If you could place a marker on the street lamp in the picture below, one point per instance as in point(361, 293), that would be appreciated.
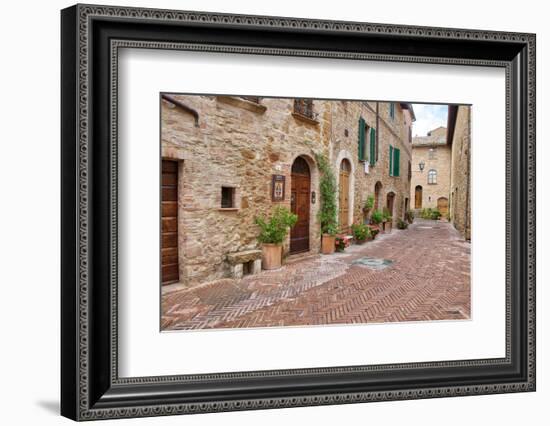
point(421, 165)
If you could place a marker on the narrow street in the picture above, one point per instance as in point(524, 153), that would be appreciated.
point(418, 274)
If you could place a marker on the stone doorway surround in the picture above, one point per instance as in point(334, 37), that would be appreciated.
point(314, 227)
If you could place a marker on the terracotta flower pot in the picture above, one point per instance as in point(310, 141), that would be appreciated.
point(328, 244)
point(271, 256)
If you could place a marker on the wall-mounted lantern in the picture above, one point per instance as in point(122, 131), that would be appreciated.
point(313, 197)
point(421, 165)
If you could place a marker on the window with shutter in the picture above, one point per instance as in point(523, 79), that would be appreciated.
point(391, 160)
point(373, 156)
point(361, 141)
point(392, 110)
point(396, 161)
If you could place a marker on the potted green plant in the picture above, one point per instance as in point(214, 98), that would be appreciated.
point(328, 214)
point(272, 234)
point(436, 214)
point(401, 224)
point(376, 219)
point(361, 232)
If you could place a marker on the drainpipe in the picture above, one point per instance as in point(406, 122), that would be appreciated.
point(377, 131)
point(184, 107)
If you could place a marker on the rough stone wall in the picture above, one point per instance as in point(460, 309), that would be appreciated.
point(241, 147)
point(390, 132)
point(242, 144)
point(460, 173)
point(439, 160)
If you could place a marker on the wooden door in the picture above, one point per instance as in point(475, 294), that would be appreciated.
point(343, 203)
point(443, 206)
point(169, 223)
point(299, 205)
point(418, 197)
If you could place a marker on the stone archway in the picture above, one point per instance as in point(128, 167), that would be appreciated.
point(390, 202)
point(314, 227)
point(300, 205)
point(344, 159)
point(344, 194)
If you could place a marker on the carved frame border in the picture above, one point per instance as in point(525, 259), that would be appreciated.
point(85, 13)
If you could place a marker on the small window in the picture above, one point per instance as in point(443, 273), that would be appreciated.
point(392, 110)
point(431, 153)
point(228, 197)
point(304, 107)
point(432, 177)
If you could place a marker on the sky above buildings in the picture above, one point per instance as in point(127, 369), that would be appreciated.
point(428, 117)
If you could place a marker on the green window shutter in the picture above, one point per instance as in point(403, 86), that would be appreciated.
point(361, 142)
point(391, 160)
point(372, 146)
point(392, 110)
point(396, 153)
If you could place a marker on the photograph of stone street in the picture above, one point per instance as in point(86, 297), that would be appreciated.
point(281, 212)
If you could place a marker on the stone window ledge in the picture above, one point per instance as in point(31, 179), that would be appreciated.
point(242, 103)
point(305, 118)
point(228, 209)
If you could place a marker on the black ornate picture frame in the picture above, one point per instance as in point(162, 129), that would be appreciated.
point(91, 387)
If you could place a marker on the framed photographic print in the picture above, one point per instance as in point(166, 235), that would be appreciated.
point(263, 212)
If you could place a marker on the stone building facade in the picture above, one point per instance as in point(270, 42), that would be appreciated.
point(441, 169)
point(459, 135)
point(431, 174)
point(222, 154)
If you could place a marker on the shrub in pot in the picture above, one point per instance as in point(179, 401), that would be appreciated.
point(436, 214)
point(401, 224)
point(376, 218)
point(361, 232)
point(328, 212)
point(272, 234)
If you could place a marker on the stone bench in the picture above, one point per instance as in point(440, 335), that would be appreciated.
point(244, 262)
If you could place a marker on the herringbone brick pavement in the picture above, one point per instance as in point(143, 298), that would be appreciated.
point(428, 279)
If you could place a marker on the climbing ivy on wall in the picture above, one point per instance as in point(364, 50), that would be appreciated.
point(328, 213)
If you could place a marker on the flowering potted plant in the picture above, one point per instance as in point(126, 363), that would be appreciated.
point(361, 232)
point(272, 233)
point(341, 242)
point(374, 231)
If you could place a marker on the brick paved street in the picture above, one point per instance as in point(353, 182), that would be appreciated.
point(428, 279)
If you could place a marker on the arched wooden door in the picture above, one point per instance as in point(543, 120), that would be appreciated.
point(443, 206)
point(299, 205)
point(345, 169)
point(390, 198)
point(418, 197)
